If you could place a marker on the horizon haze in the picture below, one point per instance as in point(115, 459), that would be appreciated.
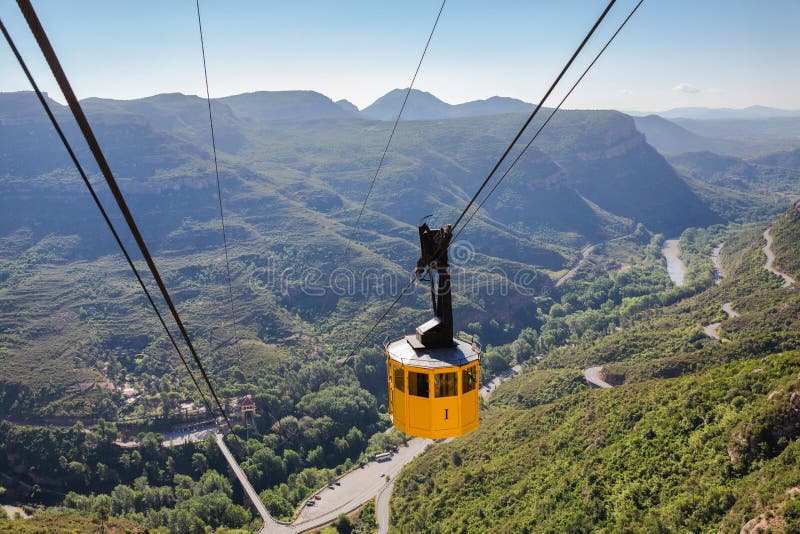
point(709, 54)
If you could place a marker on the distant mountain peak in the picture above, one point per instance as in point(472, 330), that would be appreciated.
point(19, 104)
point(347, 105)
point(423, 105)
point(282, 105)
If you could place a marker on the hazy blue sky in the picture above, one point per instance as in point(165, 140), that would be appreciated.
point(673, 53)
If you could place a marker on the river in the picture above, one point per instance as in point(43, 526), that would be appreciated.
point(675, 267)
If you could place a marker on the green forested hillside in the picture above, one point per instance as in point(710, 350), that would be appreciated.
point(68, 523)
point(668, 340)
point(652, 457)
point(740, 189)
point(698, 435)
point(562, 269)
point(787, 241)
point(292, 189)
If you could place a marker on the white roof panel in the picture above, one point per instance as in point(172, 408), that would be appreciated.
point(408, 351)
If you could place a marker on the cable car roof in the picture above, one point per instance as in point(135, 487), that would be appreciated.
point(408, 351)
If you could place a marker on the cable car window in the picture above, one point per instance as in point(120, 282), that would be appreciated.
point(468, 379)
point(399, 379)
point(418, 384)
point(445, 385)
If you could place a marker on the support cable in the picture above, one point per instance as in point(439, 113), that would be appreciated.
point(380, 319)
point(510, 146)
point(219, 188)
point(347, 358)
point(99, 205)
point(391, 135)
point(58, 72)
point(536, 110)
point(549, 117)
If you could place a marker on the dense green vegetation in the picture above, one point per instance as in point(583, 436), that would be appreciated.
point(714, 448)
point(178, 488)
point(540, 387)
point(78, 342)
point(671, 342)
point(787, 248)
point(58, 522)
point(656, 456)
point(600, 307)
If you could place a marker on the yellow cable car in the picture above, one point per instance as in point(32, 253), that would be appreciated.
point(432, 377)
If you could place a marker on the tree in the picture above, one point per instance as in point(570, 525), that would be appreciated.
point(123, 500)
point(102, 515)
point(199, 463)
point(343, 525)
point(276, 504)
point(237, 516)
point(496, 361)
point(212, 481)
point(171, 465)
point(366, 523)
point(316, 456)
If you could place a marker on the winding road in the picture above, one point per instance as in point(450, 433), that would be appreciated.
point(728, 308)
point(487, 390)
point(712, 330)
point(577, 263)
point(594, 376)
point(770, 263)
point(588, 250)
point(382, 507)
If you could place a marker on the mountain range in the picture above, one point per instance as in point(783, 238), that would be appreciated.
point(561, 269)
point(750, 112)
point(295, 167)
point(599, 172)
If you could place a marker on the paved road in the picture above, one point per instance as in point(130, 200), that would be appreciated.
point(175, 438)
point(382, 507)
point(576, 264)
point(712, 330)
point(270, 525)
point(594, 375)
point(13, 510)
point(487, 390)
point(357, 487)
point(354, 489)
point(588, 250)
point(728, 308)
point(770, 263)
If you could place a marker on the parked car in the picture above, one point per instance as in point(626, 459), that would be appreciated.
point(309, 503)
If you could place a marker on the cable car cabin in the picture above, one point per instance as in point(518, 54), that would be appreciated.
point(432, 377)
point(433, 393)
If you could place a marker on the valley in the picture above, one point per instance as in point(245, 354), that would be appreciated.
point(687, 436)
point(566, 278)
